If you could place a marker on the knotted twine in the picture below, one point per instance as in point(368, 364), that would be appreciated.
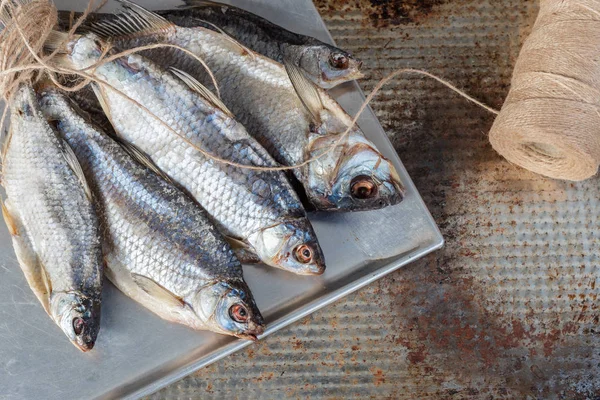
point(550, 121)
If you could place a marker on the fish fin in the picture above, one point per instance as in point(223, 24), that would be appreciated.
point(141, 157)
point(157, 291)
point(11, 223)
point(236, 243)
point(201, 4)
point(244, 50)
point(242, 251)
point(202, 90)
point(247, 256)
point(30, 264)
point(6, 144)
point(76, 167)
point(56, 41)
point(134, 20)
point(101, 96)
point(306, 91)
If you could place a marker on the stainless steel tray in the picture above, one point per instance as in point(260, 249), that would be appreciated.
point(137, 353)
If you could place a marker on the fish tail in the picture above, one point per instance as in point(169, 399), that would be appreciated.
point(56, 44)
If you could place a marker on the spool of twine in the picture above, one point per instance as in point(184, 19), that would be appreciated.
point(550, 121)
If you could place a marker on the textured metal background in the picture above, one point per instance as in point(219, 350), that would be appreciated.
point(509, 308)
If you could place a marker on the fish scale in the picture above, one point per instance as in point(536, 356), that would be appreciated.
point(266, 215)
point(55, 227)
point(151, 229)
point(289, 116)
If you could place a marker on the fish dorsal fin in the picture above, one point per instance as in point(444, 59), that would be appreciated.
point(157, 291)
point(76, 167)
point(133, 20)
point(141, 157)
point(202, 90)
point(244, 50)
point(306, 91)
point(201, 4)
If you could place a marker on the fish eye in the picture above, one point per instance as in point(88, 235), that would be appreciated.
point(303, 254)
point(339, 61)
point(238, 313)
point(78, 325)
point(362, 187)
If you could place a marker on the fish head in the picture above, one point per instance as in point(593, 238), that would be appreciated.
point(353, 176)
point(228, 307)
point(291, 246)
point(328, 66)
point(78, 316)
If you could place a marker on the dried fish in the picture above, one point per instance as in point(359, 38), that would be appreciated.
point(177, 122)
point(327, 66)
point(52, 222)
point(294, 120)
point(159, 245)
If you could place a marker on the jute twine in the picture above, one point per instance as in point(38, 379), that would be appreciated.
point(550, 121)
point(548, 124)
point(22, 22)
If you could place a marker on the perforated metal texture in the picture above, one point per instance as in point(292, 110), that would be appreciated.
point(509, 308)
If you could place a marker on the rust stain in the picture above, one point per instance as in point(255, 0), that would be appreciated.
point(384, 13)
point(453, 322)
point(298, 345)
point(416, 356)
point(378, 376)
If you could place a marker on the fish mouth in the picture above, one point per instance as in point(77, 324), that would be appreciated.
point(84, 346)
point(315, 269)
point(247, 336)
point(252, 334)
point(357, 72)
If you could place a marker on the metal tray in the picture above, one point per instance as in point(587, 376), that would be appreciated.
point(137, 353)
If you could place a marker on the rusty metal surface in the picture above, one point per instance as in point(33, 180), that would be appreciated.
point(509, 308)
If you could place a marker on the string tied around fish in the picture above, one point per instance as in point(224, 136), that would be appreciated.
point(549, 124)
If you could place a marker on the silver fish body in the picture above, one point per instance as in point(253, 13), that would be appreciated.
point(256, 208)
point(53, 224)
point(289, 123)
point(159, 245)
point(327, 66)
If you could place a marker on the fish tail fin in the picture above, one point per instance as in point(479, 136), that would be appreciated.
point(56, 43)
